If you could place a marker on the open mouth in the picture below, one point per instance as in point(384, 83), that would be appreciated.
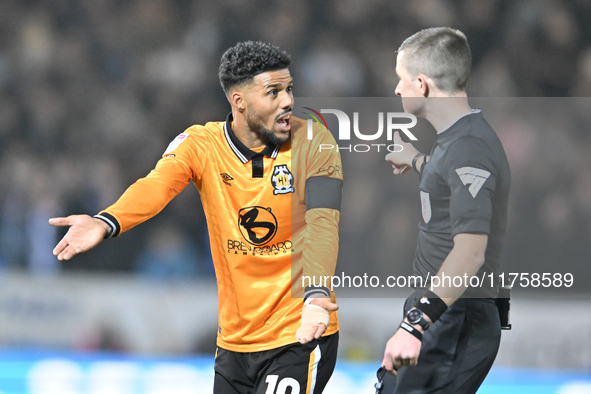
point(284, 122)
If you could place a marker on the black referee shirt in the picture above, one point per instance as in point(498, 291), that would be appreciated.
point(464, 188)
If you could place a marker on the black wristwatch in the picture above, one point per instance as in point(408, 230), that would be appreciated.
point(414, 162)
point(415, 316)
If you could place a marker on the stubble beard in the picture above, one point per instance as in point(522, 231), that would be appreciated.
point(265, 134)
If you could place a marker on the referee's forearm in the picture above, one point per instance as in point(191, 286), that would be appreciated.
point(464, 261)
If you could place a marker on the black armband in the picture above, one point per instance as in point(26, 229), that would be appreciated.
point(323, 192)
point(411, 330)
point(431, 305)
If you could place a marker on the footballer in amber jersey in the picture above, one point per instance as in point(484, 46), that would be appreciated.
point(262, 236)
point(271, 199)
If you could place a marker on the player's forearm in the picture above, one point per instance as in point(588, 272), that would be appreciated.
point(146, 197)
point(464, 261)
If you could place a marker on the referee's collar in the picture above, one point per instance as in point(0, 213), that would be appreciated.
point(458, 123)
point(241, 151)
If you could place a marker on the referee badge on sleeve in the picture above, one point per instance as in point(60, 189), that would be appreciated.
point(474, 177)
point(425, 206)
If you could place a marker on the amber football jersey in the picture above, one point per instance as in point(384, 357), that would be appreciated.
point(266, 230)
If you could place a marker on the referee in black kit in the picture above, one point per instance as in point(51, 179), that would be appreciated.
point(451, 332)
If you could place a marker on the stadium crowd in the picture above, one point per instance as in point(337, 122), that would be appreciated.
point(91, 92)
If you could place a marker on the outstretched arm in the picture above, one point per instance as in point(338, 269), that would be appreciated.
point(84, 234)
point(141, 201)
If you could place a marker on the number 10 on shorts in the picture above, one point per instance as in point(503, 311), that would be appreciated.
point(282, 386)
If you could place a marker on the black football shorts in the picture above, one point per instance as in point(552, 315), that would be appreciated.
point(458, 350)
point(294, 368)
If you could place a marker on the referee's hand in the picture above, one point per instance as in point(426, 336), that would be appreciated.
point(85, 233)
point(401, 350)
point(401, 161)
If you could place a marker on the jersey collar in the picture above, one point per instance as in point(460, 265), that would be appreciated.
point(241, 151)
point(458, 124)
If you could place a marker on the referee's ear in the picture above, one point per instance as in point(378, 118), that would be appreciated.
point(424, 84)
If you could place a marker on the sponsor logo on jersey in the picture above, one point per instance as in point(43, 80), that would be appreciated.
point(426, 206)
point(226, 178)
point(282, 180)
point(241, 248)
point(176, 142)
point(474, 177)
point(257, 224)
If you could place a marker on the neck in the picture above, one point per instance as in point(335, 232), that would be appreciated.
point(244, 133)
point(445, 110)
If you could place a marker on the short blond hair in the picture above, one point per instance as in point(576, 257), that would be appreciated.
point(441, 53)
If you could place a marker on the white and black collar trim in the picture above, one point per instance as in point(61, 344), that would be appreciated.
point(242, 152)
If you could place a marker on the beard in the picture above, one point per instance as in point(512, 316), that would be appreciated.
point(265, 134)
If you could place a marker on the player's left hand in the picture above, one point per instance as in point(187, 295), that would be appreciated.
point(401, 350)
point(315, 319)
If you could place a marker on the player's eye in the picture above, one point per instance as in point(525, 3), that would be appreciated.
point(272, 92)
point(290, 89)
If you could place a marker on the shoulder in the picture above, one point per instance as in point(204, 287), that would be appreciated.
point(195, 137)
point(207, 130)
point(200, 134)
point(477, 140)
point(466, 143)
point(469, 150)
point(304, 132)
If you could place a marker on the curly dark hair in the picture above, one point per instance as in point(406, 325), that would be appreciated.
point(245, 60)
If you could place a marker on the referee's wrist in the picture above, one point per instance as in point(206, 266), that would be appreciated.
point(418, 161)
point(411, 330)
point(415, 326)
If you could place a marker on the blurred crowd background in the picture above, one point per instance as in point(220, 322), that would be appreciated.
point(91, 93)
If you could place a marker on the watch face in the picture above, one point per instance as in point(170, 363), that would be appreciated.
point(414, 316)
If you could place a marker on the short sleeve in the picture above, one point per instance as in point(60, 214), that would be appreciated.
point(471, 175)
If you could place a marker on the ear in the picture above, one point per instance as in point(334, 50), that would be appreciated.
point(236, 98)
point(424, 86)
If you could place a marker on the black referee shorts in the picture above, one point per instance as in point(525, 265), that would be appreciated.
point(457, 351)
point(295, 369)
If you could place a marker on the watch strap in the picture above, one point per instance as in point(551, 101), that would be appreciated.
point(411, 330)
point(414, 162)
point(422, 321)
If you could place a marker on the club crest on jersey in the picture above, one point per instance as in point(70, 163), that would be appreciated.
point(282, 180)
